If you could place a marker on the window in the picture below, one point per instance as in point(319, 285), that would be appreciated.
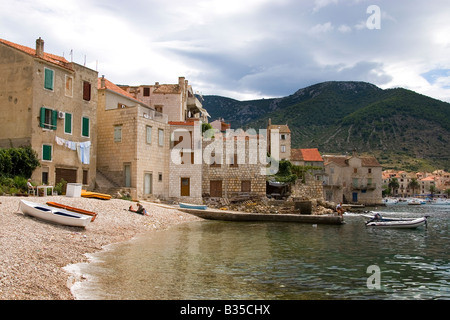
point(48, 118)
point(160, 177)
point(159, 109)
point(283, 148)
point(68, 123)
point(233, 161)
point(85, 176)
point(69, 86)
point(118, 133)
point(86, 91)
point(246, 186)
point(146, 92)
point(148, 134)
point(48, 79)
point(283, 137)
point(85, 127)
point(47, 152)
point(355, 170)
point(215, 160)
point(369, 170)
point(161, 137)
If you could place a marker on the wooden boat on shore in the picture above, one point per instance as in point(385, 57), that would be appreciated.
point(55, 215)
point(66, 207)
point(213, 214)
point(193, 206)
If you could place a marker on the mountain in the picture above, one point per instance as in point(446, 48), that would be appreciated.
point(403, 129)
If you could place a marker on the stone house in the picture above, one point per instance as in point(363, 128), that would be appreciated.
point(50, 104)
point(133, 143)
point(177, 101)
point(231, 167)
point(185, 170)
point(284, 141)
point(353, 179)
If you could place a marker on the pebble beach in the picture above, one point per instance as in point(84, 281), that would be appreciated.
point(33, 252)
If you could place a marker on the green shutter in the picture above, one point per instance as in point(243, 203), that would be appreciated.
point(85, 127)
point(54, 119)
point(42, 118)
point(47, 152)
point(48, 79)
point(68, 123)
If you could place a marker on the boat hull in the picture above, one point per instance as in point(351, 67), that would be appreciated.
point(398, 224)
point(193, 206)
point(254, 217)
point(54, 215)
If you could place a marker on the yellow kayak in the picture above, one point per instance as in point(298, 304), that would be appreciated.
point(89, 194)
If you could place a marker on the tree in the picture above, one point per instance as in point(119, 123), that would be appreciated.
point(447, 191)
point(432, 190)
point(413, 184)
point(394, 185)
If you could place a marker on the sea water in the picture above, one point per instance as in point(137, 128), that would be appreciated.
point(249, 260)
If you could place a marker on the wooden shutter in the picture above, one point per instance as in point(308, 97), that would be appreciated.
point(68, 123)
point(48, 79)
point(47, 152)
point(42, 118)
point(85, 127)
point(54, 119)
point(86, 91)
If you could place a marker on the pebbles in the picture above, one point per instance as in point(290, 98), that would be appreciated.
point(33, 252)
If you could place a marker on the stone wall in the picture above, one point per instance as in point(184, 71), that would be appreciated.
point(311, 189)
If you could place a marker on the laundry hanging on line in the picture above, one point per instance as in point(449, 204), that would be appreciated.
point(83, 148)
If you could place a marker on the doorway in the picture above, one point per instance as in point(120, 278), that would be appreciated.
point(148, 178)
point(185, 187)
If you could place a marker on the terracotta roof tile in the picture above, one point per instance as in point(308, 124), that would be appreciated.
point(283, 128)
point(111, 86)
point(52, 58)
point(310, 155)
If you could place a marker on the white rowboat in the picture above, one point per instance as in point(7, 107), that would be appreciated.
point(55, 215)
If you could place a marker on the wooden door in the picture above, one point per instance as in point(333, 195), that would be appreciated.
point(185, 187)
point(215, 188)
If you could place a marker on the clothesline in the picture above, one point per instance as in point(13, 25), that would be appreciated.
point(82, 148)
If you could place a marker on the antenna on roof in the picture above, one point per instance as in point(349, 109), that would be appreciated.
point(71, 55)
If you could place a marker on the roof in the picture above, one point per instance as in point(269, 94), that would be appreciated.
point(369, 161)
point(54, 59)
point(366, 161)
point(111, 86)
point(282, 128)
point(181, 123)
point(310, 155)
point(167, 88)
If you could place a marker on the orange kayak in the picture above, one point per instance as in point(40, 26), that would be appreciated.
point(63, 206)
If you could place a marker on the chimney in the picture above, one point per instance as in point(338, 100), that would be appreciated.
point(270, 121)
point(102, 82)
point(40, 47)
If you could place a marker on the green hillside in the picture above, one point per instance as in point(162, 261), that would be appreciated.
point(402, 128)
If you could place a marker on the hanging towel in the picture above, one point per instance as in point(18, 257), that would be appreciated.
point(85, 148)
point(60, 141)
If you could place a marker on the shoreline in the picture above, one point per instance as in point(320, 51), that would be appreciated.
point(35, 253)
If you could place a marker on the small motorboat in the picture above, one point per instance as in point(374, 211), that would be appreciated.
point(193, 206)
point(402, 223)
point(55, 215)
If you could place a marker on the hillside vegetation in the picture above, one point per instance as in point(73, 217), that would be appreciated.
point(403, 129)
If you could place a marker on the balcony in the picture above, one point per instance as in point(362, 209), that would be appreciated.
point(369, 186)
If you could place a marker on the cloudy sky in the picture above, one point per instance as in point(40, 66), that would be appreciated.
point(245, 49)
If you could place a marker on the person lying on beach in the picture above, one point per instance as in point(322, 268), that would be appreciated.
point(140, 209)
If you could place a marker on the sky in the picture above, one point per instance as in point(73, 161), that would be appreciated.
point(245, 49)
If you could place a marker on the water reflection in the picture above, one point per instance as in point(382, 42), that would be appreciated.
point(228, 260)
